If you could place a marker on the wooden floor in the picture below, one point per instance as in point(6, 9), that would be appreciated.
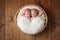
point(9, 29)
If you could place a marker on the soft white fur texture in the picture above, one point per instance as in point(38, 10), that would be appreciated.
point(30, 27)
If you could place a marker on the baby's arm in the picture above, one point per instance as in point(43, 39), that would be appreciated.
point(40, 14)
point(23, 14)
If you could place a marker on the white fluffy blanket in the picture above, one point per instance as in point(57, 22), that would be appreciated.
point(30, 27)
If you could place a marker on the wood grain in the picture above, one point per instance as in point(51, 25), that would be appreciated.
point(9, 29)
point(2, 25)
point(56, 10)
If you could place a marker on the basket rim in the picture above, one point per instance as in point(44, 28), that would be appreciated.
point(32, 5)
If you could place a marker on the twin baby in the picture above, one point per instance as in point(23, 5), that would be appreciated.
point(31, 13)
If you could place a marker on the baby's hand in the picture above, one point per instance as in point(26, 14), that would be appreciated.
point(40, 14)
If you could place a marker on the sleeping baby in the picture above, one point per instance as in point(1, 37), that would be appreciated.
point(37, 22)
point(27, 13)
point(24, 19)
point(35, 13)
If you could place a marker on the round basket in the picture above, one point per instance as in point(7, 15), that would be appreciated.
point(31, 6)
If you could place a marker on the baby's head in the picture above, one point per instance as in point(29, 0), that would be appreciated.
point(27, 12)
point(34, 12)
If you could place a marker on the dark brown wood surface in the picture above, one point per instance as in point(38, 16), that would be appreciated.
point(2, 19)
point(9, 29)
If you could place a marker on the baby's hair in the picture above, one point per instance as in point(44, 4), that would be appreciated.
point(25, 10)
point(36, 10)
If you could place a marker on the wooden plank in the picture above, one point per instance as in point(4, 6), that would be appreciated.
point(2, 27)
point(8, 28)
point(56, 11)
point(11, 30)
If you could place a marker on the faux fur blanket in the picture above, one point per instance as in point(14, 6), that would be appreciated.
point(31, 27)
